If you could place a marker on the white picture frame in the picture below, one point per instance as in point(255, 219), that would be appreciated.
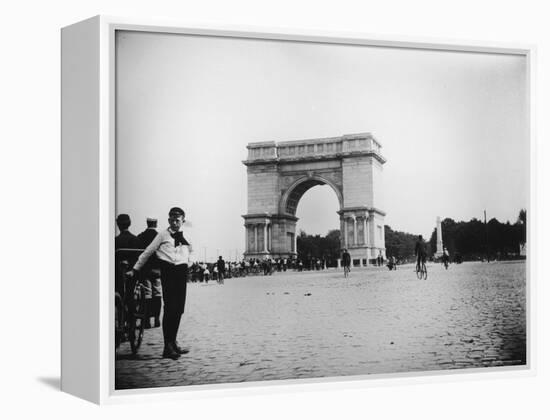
point(88, 193)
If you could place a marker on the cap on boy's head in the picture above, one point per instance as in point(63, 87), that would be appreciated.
point(151, 222)
point(176, 212)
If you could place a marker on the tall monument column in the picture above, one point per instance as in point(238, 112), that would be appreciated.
point(439, 243)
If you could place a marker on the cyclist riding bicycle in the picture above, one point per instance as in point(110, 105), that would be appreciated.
point(420, 252)
point(445, 257)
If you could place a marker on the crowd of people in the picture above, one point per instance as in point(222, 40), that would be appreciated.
point(218, 271)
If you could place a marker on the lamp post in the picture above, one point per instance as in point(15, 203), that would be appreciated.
point(486, 234)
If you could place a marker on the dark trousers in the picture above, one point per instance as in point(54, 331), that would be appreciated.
point(156, 304)
point(174, 291)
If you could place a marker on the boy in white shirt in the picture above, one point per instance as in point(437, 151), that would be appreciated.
point(174, 252)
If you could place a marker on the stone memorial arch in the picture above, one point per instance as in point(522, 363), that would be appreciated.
point(280, 173)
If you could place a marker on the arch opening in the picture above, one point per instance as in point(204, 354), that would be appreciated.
point(317, 211)
point(291, 199)
point(317, 228)
point(297, 193)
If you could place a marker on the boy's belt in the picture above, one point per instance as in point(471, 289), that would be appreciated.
point(163, 262)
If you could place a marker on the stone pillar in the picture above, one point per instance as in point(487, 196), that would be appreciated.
point(365, 233)
point(355, 241)
point(255, 238)
point(366, 236)
point(339, 262)
point(346, 243)
point(265, 237)
point(372, 233)
point(360, 231)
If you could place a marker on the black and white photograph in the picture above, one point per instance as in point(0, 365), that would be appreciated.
point(297, 210)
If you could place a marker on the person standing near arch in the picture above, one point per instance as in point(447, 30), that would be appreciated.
point(346, 262)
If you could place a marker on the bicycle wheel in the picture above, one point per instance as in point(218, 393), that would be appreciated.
point(424, 271)
point(136, 320)
point(419, 272)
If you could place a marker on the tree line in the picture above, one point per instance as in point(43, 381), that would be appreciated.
point(316, 246)
point(475, 240)
point(472, 240)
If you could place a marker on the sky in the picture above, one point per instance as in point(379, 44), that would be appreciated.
point(452, 125)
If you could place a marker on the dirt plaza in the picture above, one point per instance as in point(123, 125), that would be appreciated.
point(319, 324)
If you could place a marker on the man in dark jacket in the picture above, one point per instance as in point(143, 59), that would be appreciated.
point(147, 236)
point(221, 269)
point(420, 252)
point(125, 238)
point(124, 241)
point(346, 260)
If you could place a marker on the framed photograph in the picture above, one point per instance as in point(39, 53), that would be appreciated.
point(244, 208)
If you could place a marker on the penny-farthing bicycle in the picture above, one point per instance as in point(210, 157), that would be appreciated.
point(421, 271)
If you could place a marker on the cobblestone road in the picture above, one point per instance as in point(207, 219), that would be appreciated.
point(319, 324)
